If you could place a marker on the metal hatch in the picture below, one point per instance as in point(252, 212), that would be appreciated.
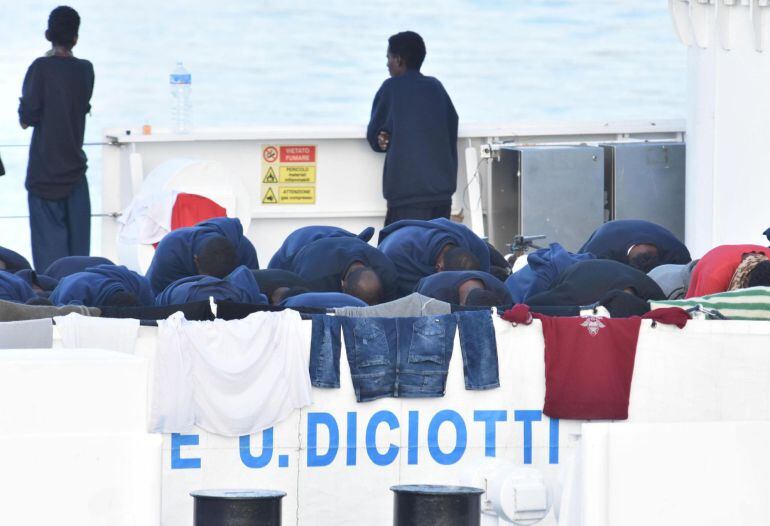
point(553, 190)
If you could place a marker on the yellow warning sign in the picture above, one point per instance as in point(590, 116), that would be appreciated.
point(270, 176)
point(289, 174)
point(304, 195)
point(269, 198)
point(297, 174)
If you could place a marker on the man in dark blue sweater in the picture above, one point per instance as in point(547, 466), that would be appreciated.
point(55, 100)
point(414, 122)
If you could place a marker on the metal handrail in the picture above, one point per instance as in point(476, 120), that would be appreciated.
point(113, 215)
point(101, 143)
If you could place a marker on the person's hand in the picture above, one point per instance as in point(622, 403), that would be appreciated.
point(383, 140)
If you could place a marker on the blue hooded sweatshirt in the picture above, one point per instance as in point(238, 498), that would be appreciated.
point(323, 264)
point(544, 266)
point(445, 286)
point(47, 283)
point(421, 159)
point(238, 286)
point(13, 260)
point(323, 300)
point(13, 288)
point(302, 237)
point(173, 258)
point(414, 245)
point(94, 286)
point(69, 265)
point(614, 239)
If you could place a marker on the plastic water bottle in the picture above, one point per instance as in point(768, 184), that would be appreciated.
point(180, 82)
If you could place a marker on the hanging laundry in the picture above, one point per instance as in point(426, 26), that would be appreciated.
point(29, 334)
point(589, 361)
point(84, 332)
point(743, 304)
point(10, 311)
point(478, 345)
point(226, 376)
point(198, 311)
point(325, 350)
point(399, 357)
point(412, 306)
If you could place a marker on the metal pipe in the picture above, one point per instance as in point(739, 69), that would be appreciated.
point(424, 505)
point(237, 507)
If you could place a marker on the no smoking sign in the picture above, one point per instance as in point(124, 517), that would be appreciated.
point(270, 154)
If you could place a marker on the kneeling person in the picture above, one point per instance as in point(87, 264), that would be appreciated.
point(638, 243)
point(347, 265)
point(421, 248)
point(239, 286)
point(104, 285)
point(465, 288)
point(214, 248)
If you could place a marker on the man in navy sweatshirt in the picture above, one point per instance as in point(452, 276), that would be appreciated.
point(414, 122)
point(55, 99)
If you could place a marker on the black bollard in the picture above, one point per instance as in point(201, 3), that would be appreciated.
point(235, 507)
point(436, 506)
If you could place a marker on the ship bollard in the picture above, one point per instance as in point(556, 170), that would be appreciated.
point(422, 505)
point(237, 507)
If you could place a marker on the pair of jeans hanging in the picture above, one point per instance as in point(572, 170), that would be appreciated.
point(404, 356)
point(400, 357)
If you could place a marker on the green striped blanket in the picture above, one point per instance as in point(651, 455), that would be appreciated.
point(744, 304)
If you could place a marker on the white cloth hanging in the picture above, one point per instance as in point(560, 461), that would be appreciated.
point(26, 334)
point(233, 377)
point(82, 332)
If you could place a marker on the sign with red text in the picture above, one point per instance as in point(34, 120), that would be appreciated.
point(289, 174)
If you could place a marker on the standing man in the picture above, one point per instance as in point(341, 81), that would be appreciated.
point(55, 100)
point(414, 122)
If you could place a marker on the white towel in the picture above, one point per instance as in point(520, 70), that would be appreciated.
point(29, 334)
point(230, 377)
point(113, 334)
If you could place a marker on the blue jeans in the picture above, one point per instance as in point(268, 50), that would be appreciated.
point(401, 357)
point(378, 347)
point(479, 347)
point(325, 351)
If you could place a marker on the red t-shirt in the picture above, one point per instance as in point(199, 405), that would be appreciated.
point(715, 269)
point(589, 364)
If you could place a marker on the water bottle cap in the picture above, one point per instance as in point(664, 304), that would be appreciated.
point(180, 75)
